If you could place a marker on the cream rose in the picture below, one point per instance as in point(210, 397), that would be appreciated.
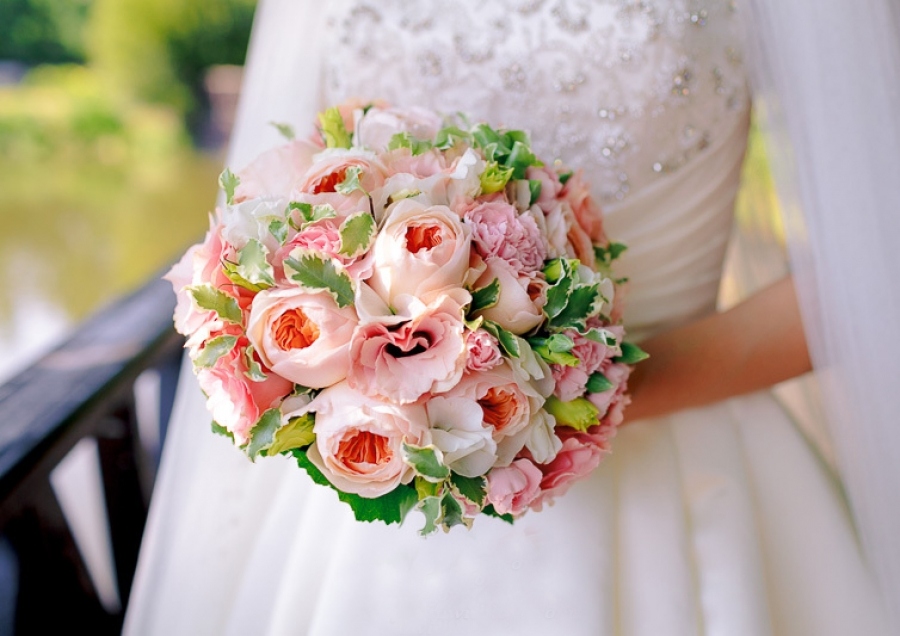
point(522, 298)
point(302, 336)
point(458, 430)
point(420, 251)
point(359, 440)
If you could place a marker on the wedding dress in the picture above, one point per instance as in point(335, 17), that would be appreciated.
point(719, 520)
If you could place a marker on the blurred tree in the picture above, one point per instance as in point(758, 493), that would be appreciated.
point(158, 50)
point(43, 31)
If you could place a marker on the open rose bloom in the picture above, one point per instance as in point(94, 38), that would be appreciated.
point(418, 311)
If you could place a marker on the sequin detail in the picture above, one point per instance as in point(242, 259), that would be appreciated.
point(630, 90)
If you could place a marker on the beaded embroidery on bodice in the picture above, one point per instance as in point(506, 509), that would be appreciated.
point(627, 90)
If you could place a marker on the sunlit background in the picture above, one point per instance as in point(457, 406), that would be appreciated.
point(113, 120)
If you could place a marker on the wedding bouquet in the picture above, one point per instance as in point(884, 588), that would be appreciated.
point(419, 310)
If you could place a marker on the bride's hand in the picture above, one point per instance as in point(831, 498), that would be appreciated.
point(754, 345)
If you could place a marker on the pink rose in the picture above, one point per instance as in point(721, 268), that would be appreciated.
point(498, 231)
point(359, 440)
point(522, 298)
point(202, 263)
point(420, 251)
point(235, 401)
point(376, 128)
point(579, 456)
point(511, 489)
point(404, 357)
point(302, 336)
point(587, 213)
point(550, 186)
point(482, 351)
point(421, 166)
point(276, 172)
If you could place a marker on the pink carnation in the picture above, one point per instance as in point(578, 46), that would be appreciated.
point(592, 357)
point(612, 402)
point(498, 231)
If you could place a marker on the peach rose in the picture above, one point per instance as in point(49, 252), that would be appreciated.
point(330, 170)
point(507, 403)
point(420, 251)
point(359, 440)
point(579, 456)
point(511, 489)
point(302, 336)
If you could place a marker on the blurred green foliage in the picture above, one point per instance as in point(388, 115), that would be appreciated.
point(43, 31)
point(158, 50)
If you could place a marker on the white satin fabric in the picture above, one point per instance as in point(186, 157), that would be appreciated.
point(718, 521)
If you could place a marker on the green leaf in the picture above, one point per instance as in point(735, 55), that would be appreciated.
point(598, 383)
point(581, 306)
point(215, 349)
point(211, 299)
point(602, 336)
point(229, 182)
point(560, 343)
point(565, 176)
point(286, 130)
point(605, 255)
point(254, 369)
point(631, 354)
point(218, 429)
point(494, 178)
point(579, 413)
point(451, 512)
point(399, 195)
point(534, 187)
point(253, 266)
point(509, 342)
point(490, 512)
point(333, 130)
point(556, 357)
point(521, 158)
point(472, 488)
point(449, 136)
point(357, 232)
point(427, 461)
point(315, 273)
point(558, 296)
point(297, 433)
point(425, 488)
point(431, 508)
point(389, 508)
point(405, 140)
point(263, 432)
point(485, 297)
point(310, 213)
point(279, 229)
point(484, 136)
point(350, 184)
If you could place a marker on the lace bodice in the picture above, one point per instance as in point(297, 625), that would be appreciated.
point(627, 90)
point(648, 98)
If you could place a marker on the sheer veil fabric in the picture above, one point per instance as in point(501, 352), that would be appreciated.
point(235, 548)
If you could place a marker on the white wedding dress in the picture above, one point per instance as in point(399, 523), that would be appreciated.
point(720, 520)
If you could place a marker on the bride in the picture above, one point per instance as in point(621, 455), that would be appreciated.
point(713, 515)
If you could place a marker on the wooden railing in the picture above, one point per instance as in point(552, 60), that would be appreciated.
point(82, 389)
